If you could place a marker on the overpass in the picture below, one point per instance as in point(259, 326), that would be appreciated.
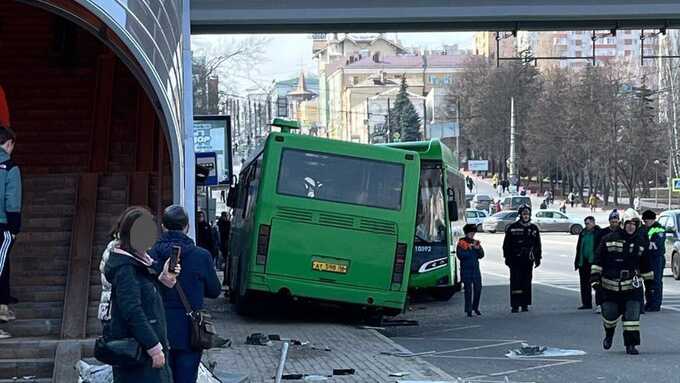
point(257, 16)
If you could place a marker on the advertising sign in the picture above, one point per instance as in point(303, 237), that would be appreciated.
point(208, 160)
point(478, 165)
point(443, 129)
point(212, 134)
point(676, 184)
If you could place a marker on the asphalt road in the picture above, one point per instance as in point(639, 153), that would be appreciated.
point(474, 348)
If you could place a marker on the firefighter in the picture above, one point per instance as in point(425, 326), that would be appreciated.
point(620, 268)
point(522, 252)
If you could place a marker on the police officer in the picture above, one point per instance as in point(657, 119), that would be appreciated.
point(522, 252)
point(656, 234)
point(621, 266)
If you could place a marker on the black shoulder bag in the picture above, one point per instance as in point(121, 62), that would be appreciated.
point(203, 335)
point(126, 352)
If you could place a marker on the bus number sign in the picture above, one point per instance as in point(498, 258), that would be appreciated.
point(331, 267)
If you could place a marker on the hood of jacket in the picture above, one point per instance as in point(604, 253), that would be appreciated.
point(118, 260)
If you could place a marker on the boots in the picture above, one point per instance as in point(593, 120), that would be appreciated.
point(607, 342)
point(631, 350)
point(6, 314)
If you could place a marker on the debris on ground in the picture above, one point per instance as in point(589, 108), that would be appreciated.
point(315, 378)
point(258, 339)
point(399, 374)
point(343, 371)
point(406, 354)
point(370, 328)
point(103, 373)
point(399, 322)
point(531, 351)
point(317, 348)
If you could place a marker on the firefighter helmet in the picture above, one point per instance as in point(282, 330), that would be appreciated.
point(630, 215)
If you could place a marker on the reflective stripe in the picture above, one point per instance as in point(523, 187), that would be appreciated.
point(615, 244)
point(631, 323)
point(647, 276)
point(609, 323)
point(632, 328)
point(595, 269)
point(516, 291)
point(613, 285)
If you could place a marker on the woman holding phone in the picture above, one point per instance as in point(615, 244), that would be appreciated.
point(136, 307)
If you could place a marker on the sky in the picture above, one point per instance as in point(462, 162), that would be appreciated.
point(287, 54)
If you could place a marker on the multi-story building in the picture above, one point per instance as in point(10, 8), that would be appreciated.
point(351, 88)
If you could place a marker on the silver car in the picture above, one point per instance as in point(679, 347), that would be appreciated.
point(499, 221)
point(553, 220)
point(481, 202)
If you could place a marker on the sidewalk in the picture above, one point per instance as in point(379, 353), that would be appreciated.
point(350, 346)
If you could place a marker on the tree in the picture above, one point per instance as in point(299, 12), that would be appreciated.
point(224, 61)
point(404, 119)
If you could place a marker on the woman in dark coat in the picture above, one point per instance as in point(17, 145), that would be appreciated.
point(136, 305)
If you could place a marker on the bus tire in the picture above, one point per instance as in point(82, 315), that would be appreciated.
point(443, 294)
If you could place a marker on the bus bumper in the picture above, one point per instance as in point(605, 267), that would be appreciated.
point(318, 290)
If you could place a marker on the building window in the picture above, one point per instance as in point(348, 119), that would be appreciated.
point(578, 43)
point(627, 53)
point(578, 53)
point(355, 80)
point(628, 41)
point(433, 80)
point(627, 32)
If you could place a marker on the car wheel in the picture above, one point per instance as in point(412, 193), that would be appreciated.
point(575, 229)
point(675, 266)
point(480, 228)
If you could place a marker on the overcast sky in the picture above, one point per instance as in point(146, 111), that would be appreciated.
point(288, 53)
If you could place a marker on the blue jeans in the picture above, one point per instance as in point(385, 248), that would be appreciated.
point(184, 365)
point(473, 292)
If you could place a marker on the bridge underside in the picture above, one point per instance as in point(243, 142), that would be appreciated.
point(220, 16)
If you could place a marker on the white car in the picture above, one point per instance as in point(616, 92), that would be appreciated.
point(476, 217)
point(555, 220)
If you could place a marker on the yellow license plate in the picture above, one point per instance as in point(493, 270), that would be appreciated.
point(331, 267)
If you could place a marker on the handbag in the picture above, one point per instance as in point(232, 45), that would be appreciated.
point(126, 352)
point(203, 335)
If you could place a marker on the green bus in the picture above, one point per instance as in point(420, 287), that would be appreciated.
point(327, 220)
point(441, 204)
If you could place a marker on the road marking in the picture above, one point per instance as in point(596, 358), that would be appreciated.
point(460, 339)
point(479, 347)
point(499, 358)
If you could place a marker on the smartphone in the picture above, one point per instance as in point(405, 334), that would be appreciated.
point(174, 258)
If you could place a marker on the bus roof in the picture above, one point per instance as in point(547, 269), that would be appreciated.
point(433, 149)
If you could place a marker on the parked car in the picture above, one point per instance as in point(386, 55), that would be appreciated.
point(670, 219)
point(481, 202)
point(499, 221)
point(514, 202)
point(476, 217)
point(553, 220)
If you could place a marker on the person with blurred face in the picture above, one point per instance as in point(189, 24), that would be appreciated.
point(522, 253)
point(585, 254)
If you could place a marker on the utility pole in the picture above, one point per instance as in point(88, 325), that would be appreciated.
point(670, 177)
point(458, 127)
point(514, 156)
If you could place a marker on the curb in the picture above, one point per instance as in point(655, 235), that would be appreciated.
point(434, 368)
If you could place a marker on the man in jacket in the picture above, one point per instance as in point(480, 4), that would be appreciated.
point(10, 219)
point(656, 234)
point(522, 252)
point(585, 255)
point(621, 266)
point(204, 235)
point(224, 226)
point(198, 279)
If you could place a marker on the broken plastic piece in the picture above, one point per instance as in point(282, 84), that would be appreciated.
point(292, 376)
point(258, 339)
point(315, 378)
point(343, 371)
point(531, 351)
point(274, 337)
point(399, 374)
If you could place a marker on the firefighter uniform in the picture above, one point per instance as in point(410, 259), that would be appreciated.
point(521, 250)
point(620, 268)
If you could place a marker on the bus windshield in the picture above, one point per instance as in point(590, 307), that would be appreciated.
point(431, 216)
point(343, 179)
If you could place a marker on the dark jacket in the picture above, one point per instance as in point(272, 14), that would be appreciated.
point(224, 226)
point(619, 258)
point(198, 279)
point(137, 312)
point(204, 237)
point(522, 244)
point(596, 243)
point(469, 259)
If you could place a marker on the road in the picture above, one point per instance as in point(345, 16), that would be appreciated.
point(474, 348)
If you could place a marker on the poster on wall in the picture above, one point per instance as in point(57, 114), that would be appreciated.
point(212, 134)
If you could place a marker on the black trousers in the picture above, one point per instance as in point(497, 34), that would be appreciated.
point(584, 276)
point(520, 284)
point(5, 249)
point(626, 304)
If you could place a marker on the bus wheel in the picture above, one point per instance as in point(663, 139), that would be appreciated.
point(443, 294)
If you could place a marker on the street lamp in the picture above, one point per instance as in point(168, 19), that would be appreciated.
point(656, 180)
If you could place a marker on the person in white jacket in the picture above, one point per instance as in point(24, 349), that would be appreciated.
point(104, 314)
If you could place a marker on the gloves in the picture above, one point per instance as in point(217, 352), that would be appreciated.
point(537, 263)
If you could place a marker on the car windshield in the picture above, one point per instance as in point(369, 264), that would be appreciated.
point(483, 198)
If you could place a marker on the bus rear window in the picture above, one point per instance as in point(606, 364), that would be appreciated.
point(342, 179)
